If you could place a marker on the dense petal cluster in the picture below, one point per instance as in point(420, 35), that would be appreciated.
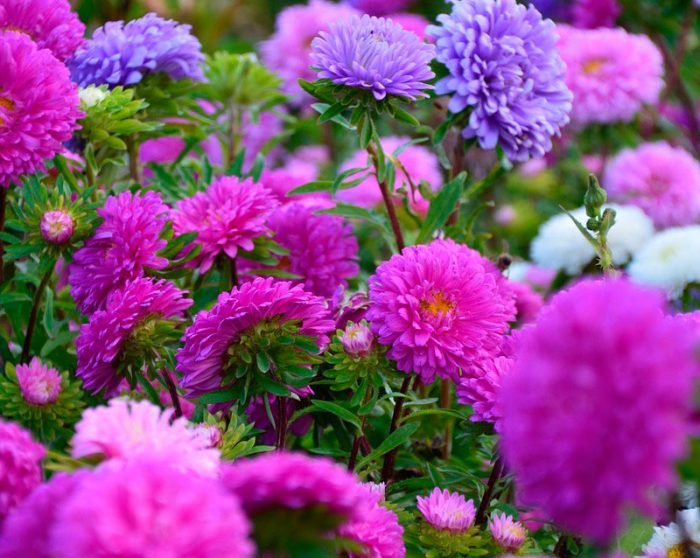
point(56, 227)
point(447, 510)
point(227, 217)
point(20, 463)
point(438, 306)
point(503, 64)
point(126, 430)
point(38, 106)
point(149, 508)
point(288, 51)
point(39, 383)
point(481, 386)
point(663, 180)
point(611, 73)
point(123, 247)
point(203, 357)
point(374, 54)
point(508, 533)
point(380, 7)
point(102, 341)
point(602, 351)
point(322, 248)
point(123, 54)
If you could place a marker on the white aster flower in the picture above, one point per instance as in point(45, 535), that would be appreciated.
point(666, 541)
point(670, 260)
point(90, 96)
point(560, 245)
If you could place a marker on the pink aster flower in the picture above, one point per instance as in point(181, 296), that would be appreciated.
point(508, 533)
point(167, 149)
point(20, 463)
point(577, 431)
point(102, 341)
point(293, 174)
point(418, 161)
point(288, 51)
point(123, 247)
point(411, 22)
point(38, 105)
point(439, 306)
point(662, 180)
point(591, 14)
point(202, 360)
point(150, 509)
point(447, 510)
point(126, 430)
point(611, 73)
point(56, 227)
point(39, 384)
point(50, 23)
point(528, 302)
point(322, 248)
point(481, 386)
point(357, 339)
point(227, 217)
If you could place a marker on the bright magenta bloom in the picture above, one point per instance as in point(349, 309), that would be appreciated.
point(447, 510)
point(508, 533)
point(602, 352)
point(39, 384)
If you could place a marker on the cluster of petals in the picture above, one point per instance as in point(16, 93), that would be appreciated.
point(40, 384)
point(508, 533)
point(447, 510)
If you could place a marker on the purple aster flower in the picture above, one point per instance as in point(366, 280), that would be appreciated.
point(553, 9)
point(380, 7)
point(375, 54)
point(20, 463)
point(447, 510)
point(438, 307)
point(203, 358)
point(120, 330)
point(227, 217)
point(504, 67)
point(50, 23)
point(39, 384)
point(123, 54)
point(123, 247)
point(591, 14)
point(602, 352)
point(56, 227)
point(38, 107)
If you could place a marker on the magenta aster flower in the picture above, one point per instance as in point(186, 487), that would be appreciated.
point(124, 246)
point(508, 533)
point(227, 217)
point(602, 351)
point(322, 248)
point(438, 306)
point(39, 384)
point(481, 386)
point(662, 180)
point(150, 509)
point(20, 463)
point(380, 7)
point(294, 174)
point(591, 14)
point(38, 106)
point(447, 510)
point(56, 227)
point(374, 54)
point(203, 358)
point(357, 339)
point(420, 163)
point(50, 23)
point(288, 51)
point(528, 301)
point(125, 329)
point(611, 73)
point(126, 430)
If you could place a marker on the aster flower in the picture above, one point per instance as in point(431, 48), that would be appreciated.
point(167, 149)
point(611, 73)
point(281, 181)
point(517, 97)
point(288, 51)
point(150, 509)
point(481, 385)
point(322, 249)
point(39, 384)
point(437, 306)
point(357, 339)
point(663, 180)
point(508, 533)
point(91, 96)
point(56, 226)
point(123, 54)
point(129, 334)
point(125, 431)
point(599, 347)
point(20, 462)
point(668, 539)
point(527, 301)
point(420, 164)
point(415, 23)
point(123, 247)
point(380, 7)
point(591, 14)
point(669, 260)
point(229, 216)
point(263, 309)
point(447, 510)
point(393, 61)
point(559, 245)
point(38, 106)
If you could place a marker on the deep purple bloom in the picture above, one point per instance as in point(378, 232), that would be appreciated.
point(380, 7)
point(505, 68)
point(375, 54)
point(591, 14)
point(123, 54)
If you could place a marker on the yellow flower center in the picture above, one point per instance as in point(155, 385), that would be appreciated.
point(437, 304)
point(6, 104)
point(676, 552)
point(593, 65)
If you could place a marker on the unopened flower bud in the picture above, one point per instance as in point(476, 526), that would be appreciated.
point(508, 533)
point(595, 197)
point(56, 226)
point(357, 339)
point(90, 96)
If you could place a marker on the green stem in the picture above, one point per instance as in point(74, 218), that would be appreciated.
point(390, 458)
point(33, 314)
point(134, 167)
point(388, 202)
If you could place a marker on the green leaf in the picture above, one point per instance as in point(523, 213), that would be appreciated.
point(441, 207)
point(317, 186)
point(335, 409)
point(263, 361)
point(221, 396)
point(351, 211)
point(393, 440)
point(405, 117)
point(331, 112)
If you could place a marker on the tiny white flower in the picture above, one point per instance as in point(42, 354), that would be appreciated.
point(667, 539)
point(90, 96)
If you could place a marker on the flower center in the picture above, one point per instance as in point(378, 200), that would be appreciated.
point(437, 304)
point(5, 104)
point(593, 65)
point(676, 551)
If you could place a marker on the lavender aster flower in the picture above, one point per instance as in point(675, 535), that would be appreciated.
point(374, 54)
point(504, 66)
point(123, 54)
